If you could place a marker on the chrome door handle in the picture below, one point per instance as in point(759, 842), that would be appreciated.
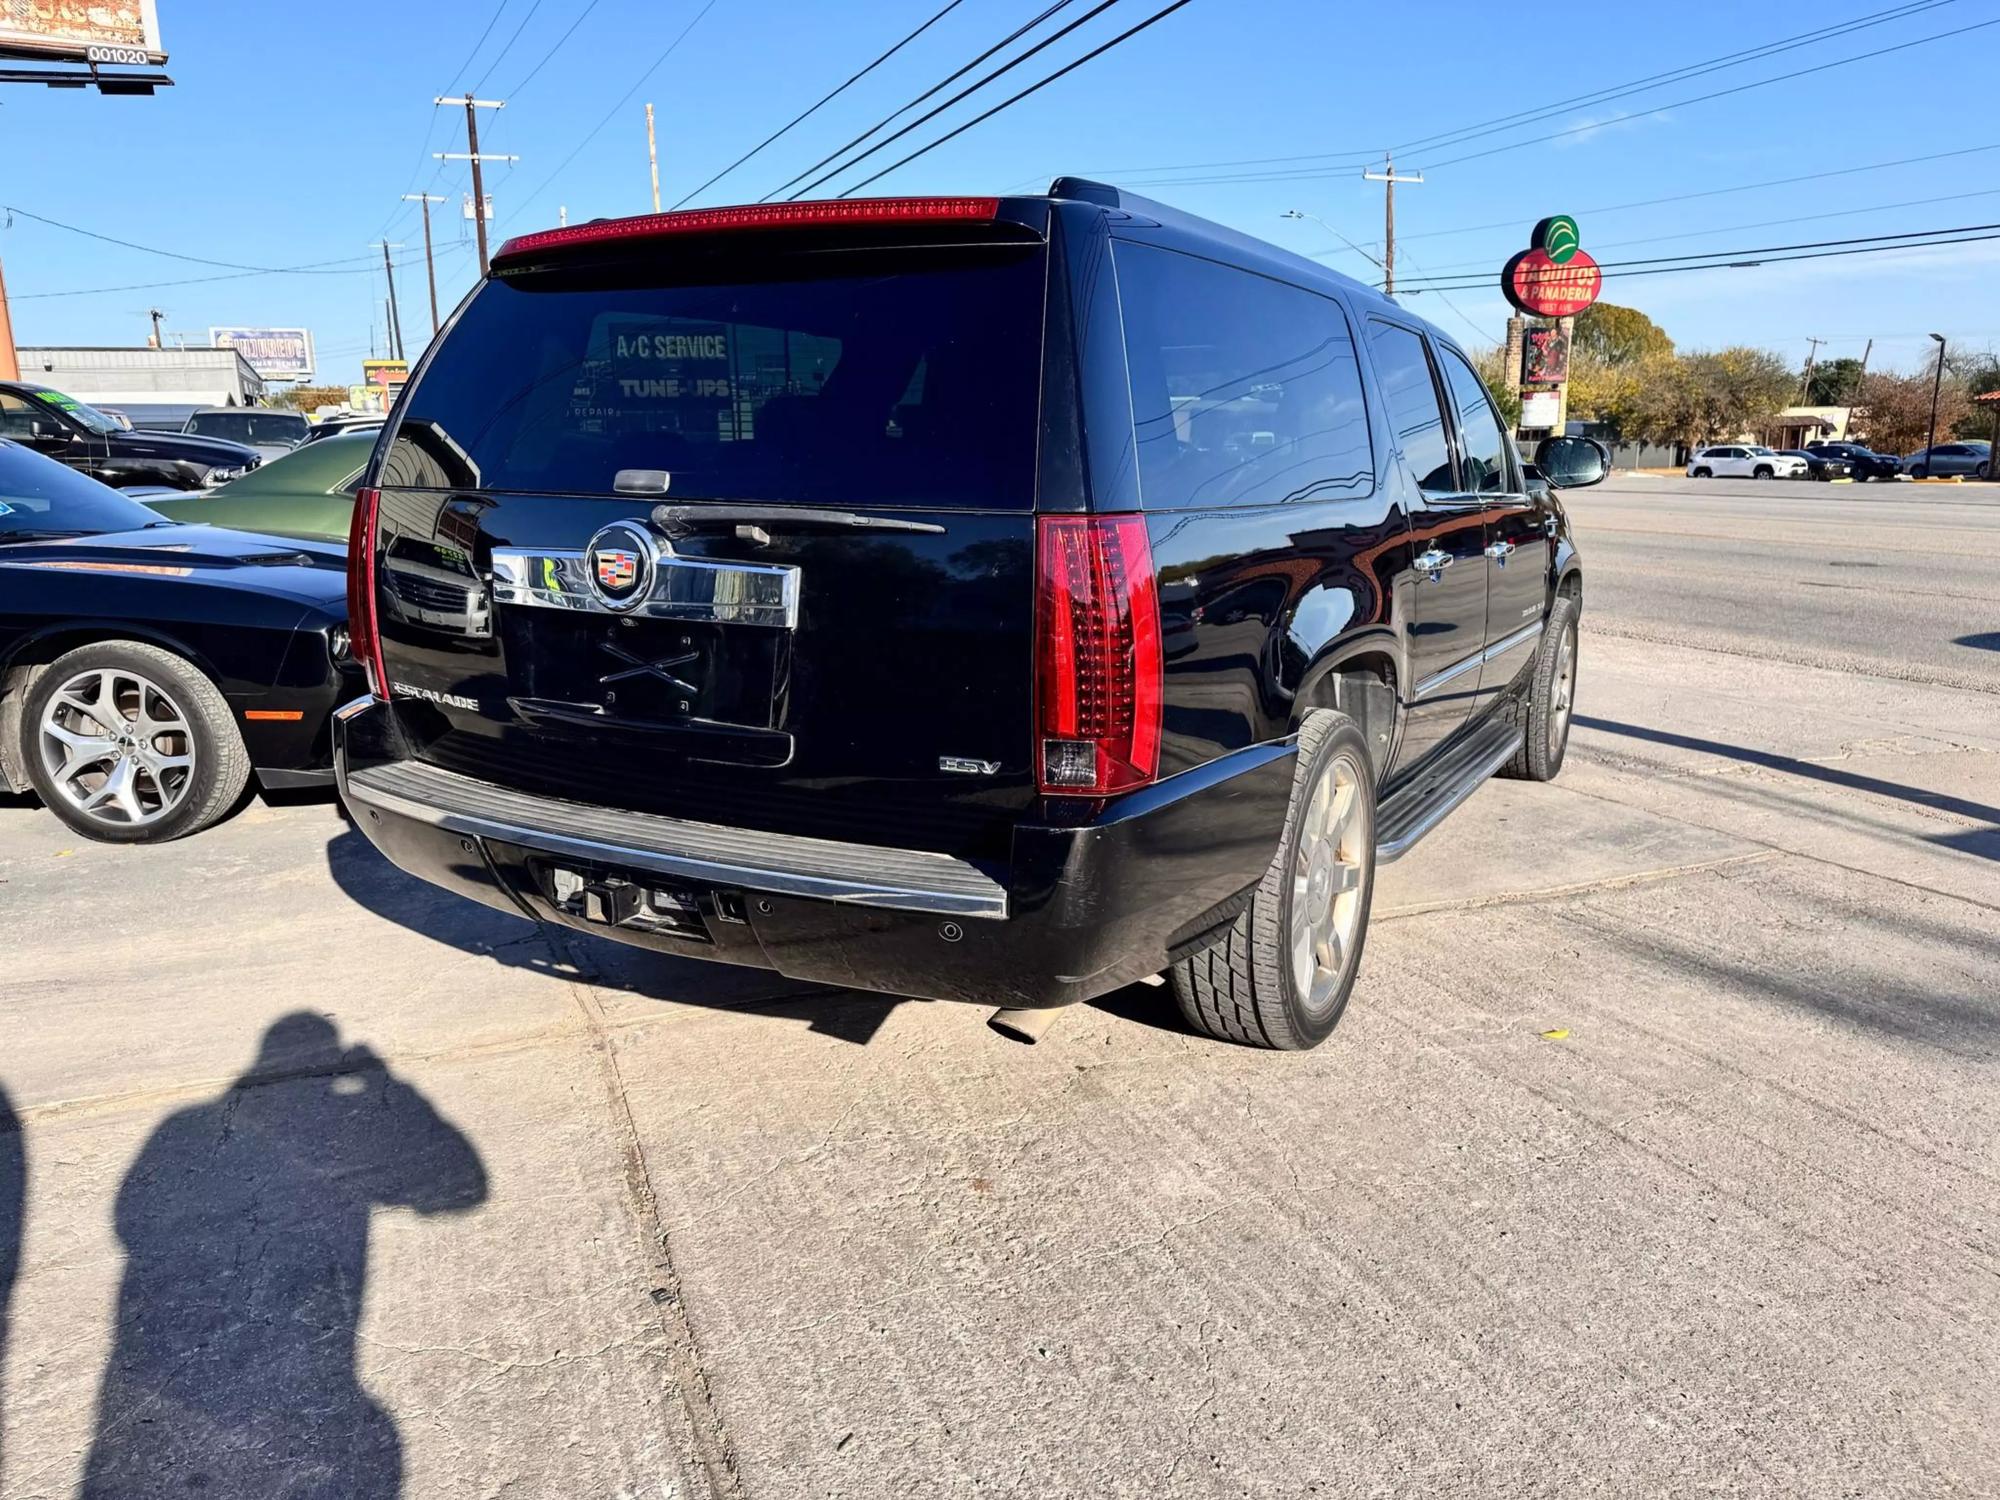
point(1500, 550)
point(1432, 562)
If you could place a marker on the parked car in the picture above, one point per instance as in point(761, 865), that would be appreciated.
point(1822, 466)
point(307, 493)
point(90, 442)
point(930, 617)
point(148, 669)
point(117, 416)
point(271, 433)
point(335, 426)
point(1971, 459)
point(1744, 461)
point(1862, 463)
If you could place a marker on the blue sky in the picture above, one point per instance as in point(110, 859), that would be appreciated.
point(292, 130)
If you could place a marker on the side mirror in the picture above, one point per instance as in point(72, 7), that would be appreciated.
point(1573, 463)
point(46, 434)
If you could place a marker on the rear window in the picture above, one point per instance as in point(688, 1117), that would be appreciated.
point(249, 427)
point(817, 380)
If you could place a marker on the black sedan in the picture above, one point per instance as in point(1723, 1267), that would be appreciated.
point(1861, 462)
point(149, 668)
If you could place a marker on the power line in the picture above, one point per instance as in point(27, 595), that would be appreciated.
point(1735, 260)
point(314, 269)
point(1068, 68)
point(637, 83)
point(1741, 88)
point(971, 88)
point(1363, 156)
point(852, 79)
point(480, 82)
point(581, 17)
point(155, 250)
point(1006, 41)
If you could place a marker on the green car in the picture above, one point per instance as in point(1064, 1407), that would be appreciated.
point(307, 493)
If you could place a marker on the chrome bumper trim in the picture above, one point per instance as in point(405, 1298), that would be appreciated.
point(707, 853)
point(681, 588)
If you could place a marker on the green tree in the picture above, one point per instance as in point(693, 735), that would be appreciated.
point(1896, 417)
point(1834, 382)
point(1617, 335)
point(1492, 368)
point(1704, 397)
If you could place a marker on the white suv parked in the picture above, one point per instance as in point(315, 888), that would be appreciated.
point(1744, 461)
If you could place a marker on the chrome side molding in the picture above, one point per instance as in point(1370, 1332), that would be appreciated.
point(1499, 648)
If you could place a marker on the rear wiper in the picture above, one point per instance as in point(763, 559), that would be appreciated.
point(754, 523)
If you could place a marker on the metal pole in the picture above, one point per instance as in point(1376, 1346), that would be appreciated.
point(430, 263)
point(1812, 356)
point(1937, 381)
point(653, 157)
point(478, 185)
point(1388, 177)
point(10, 362)
point(395, 315)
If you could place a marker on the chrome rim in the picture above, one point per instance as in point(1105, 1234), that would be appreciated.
point(1335, 839)
point(117, 747)
point(1565, 692)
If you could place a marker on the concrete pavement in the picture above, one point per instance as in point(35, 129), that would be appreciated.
point(1657, 1152)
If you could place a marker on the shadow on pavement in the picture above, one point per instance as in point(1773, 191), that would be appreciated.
point(1985, 640)
point(366, 877)
point(245, 1222)
point(13, 1205)
point(1982, 842)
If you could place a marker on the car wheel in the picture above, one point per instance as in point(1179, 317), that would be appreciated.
point(1762, 471)
point(1920, 472)
point(1546, 706)
point(1701, 474)
point(130, 744)
point(1980, 471)
point(1280, 974)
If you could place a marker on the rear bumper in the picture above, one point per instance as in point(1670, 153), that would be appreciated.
point(1075, 912)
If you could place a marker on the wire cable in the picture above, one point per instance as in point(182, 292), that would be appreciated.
point(581, 16)
point(480, 82)
point(852, 79)
point(971, 88)
point(1006, 41)
point(1066, 69)
point(198, 260)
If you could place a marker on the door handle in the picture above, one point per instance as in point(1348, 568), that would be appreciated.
point(1501, 550)
point(1434, 562)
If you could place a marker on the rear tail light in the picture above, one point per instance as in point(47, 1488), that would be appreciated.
point(758, 216)
point(363, 631)
point(1097, 655)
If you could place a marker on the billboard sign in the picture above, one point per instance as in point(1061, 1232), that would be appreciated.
point(1554, 277)
point(99, 31)
point(274, 353)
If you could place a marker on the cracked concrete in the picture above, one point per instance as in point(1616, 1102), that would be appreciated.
point(1657, 1153)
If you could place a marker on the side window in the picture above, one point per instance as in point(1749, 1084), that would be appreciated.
point(1245, 391)
point(1415, 414)
point(17, 417)
point(1487, 471)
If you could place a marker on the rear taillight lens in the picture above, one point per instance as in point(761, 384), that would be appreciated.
point(364, 636)
point(1097, 655)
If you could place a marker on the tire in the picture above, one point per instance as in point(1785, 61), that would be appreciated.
point(1920, 472)
point(1702, 474)
point(1980, 471)
point(1546, 707)
point(1245, 987)
point(176, 780)
point(1762, 471)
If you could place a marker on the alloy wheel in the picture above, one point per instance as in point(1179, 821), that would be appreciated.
point(117, 747)
point(1335, 838)
point(1563, 693)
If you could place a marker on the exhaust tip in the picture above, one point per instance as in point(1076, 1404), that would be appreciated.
point(1028, 1026)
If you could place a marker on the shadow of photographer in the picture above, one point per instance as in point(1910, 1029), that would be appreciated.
point(245, 1221)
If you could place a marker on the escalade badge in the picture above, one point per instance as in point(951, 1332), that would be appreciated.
point(620, 561)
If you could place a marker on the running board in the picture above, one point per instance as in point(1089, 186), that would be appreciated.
point(1413, 810)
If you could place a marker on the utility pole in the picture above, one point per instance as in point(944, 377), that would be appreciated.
point(562, 215)
point(653, 157)
point(156, 315)
point(395, 316)
point(10, 362)
point(471, 154)
point(1861, 376)
point(430, 265)
point(1937, 381)
point(1389, 178)
point(1812, 355)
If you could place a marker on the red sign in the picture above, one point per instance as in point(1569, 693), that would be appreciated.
point(1536, 284)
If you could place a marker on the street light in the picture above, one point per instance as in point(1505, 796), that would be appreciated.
point(1930, 458)
point(1293, 213)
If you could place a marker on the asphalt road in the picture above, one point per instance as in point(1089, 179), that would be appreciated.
point(1897, 579)
point(1657, 1153)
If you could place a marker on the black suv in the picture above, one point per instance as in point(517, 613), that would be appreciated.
point(90, 442)
point(1862, 463)
point(998, 600)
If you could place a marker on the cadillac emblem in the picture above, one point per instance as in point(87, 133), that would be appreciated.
point(619, 562)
